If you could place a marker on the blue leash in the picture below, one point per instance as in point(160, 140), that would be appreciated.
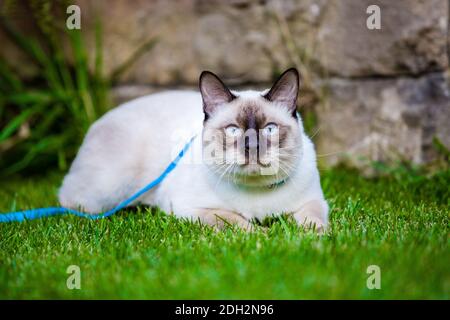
point(48, 212)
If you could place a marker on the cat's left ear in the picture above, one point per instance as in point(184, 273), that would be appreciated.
point(214, 92)
point(285, 90)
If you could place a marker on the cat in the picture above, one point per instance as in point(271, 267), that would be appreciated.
point(250, 157)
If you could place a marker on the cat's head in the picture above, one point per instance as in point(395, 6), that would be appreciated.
point(251, 138)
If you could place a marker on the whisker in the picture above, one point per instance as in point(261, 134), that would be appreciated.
point(315, 133)
point(329, 154)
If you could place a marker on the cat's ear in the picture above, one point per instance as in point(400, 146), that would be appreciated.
point(285, 90)
point(214, 92)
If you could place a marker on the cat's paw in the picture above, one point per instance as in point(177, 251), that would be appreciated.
point(314, 223)
point(222, 219)
point(243, 225)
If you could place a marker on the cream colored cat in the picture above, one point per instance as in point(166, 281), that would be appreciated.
point(250, 157)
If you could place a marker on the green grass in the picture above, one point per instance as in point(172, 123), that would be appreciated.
point(400, 223)
point(44, 119)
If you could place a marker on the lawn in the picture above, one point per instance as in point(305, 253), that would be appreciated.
point(399, 222)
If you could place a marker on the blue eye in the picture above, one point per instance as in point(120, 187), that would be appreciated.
point(270, 129)
point(233, 131)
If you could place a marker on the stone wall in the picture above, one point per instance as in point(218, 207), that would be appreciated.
point(388, 90)
point(382, 94)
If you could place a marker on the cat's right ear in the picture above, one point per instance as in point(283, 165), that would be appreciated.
point(214, 92)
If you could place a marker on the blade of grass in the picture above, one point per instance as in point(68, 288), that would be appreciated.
point(16, 122)
point(132, 59)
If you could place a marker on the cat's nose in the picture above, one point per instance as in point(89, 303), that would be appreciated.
point(251, 144)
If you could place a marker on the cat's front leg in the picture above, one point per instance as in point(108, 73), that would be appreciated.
point(220, 218)
point(313, 215)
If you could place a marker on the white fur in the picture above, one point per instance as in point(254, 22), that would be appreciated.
point(132, 145)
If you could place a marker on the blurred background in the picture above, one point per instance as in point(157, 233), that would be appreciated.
point(370, 98)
